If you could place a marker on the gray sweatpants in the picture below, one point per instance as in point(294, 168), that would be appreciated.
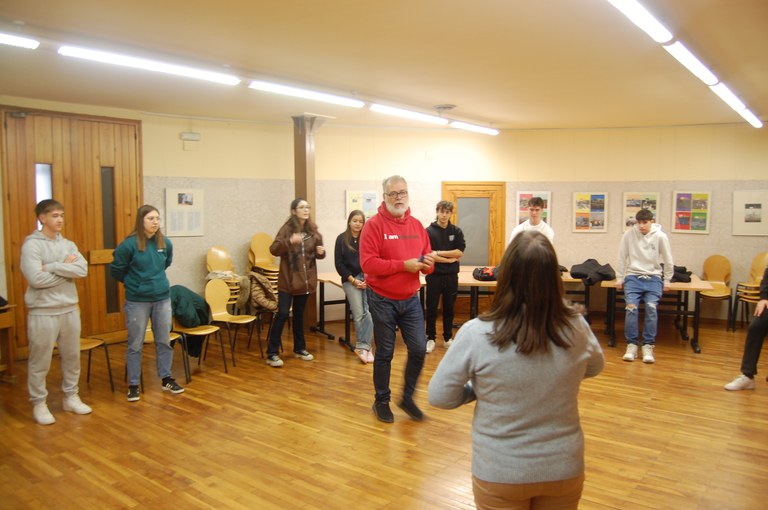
point(42, 332)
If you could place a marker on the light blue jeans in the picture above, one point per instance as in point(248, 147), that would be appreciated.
point(137, 315)
point(649, 289)
point(358, 303)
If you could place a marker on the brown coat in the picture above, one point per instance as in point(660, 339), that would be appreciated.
point(298, 267)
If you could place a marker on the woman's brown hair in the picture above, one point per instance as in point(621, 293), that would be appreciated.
point(348, 232)
point(529, 309)
point(141, 235)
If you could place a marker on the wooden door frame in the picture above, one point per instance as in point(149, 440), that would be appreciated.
point(496, 192)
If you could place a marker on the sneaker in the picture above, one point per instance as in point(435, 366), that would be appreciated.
point(362, 354)
point(742, 382)
point(73, 404)
point(133, 393)
point(383, 412)
point(631, 354)
point(648, 354)
point(448, 343)
point(42, 415)
point(306, 356)
point(430, 346)
point(369, 355)
point(410, 408)
point(170, 385)
point(273, 360)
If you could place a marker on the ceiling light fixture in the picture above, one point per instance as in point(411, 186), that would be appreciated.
point(148, 65)
point(751, 118)
point(693, 64)
point(729, 97)
point(472, 127)
point(640, 16)
point(19, 42)
point(408, 114)
point(285, 90)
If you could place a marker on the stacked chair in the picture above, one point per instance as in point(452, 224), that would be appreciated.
point(749, 292)
point(717, 271)
point(261, 260)
point(219, 261)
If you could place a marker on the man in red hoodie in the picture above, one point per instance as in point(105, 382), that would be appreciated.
point(394, 248)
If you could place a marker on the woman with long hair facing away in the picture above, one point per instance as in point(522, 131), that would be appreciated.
point(523, 361)
point(140, 262)
point(347, 260)
point(298, 244)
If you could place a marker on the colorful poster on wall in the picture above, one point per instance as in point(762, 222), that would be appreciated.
point(366, 201)
point(691, 212)
point(590, 211)
point(523, 197)
point(636, 200)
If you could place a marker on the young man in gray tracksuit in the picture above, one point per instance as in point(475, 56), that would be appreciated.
point(50, 264)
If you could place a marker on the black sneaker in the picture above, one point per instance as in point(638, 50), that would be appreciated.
point(133, 393)
point(170, 385)
point(409, 406)
point(383, 412)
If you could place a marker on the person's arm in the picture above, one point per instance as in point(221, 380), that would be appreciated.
point(339, 260)
point(319, 247)
point(763, 303)
point(669, 265)
point(169, 253)
point(596, 361)
point(32, 268)
point(282, 243)
point(621, 263)
point(73, 266)
point(121, 262)
point(451, 386)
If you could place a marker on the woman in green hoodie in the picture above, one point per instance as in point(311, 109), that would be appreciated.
point(140, 262)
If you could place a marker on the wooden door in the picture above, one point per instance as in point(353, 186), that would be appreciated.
point(493, 196)
point(95, 171)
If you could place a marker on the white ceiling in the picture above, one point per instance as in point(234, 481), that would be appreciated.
point(512, 64)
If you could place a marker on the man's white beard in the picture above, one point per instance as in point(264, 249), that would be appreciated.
point(397, 213)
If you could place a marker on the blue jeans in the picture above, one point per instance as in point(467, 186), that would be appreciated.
point(137, 315)
point(358, 304)
point(284, 301)
point(649, 289)
point(409, 317)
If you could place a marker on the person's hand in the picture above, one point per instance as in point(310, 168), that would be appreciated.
point(760, 308)
point(413, 265)
point(70, 258)
point(428, 260)
point(667, 287)
point(360, 284)
point(620, 285)
point(320, 250)
point(295, 239)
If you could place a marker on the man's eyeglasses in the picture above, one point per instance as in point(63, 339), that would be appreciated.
point(397, 194)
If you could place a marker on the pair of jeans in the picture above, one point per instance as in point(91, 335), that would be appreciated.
point(387, 315)
point(284, 302)
point(137, 316)
point(756, 333)
point(43, 331)
point(358, 304)
point(447, 286)
point(647, 288)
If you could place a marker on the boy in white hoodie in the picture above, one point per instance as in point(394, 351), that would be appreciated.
point(50, 264)
point(639, 273)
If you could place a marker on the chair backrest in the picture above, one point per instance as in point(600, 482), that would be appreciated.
point(217, 295)
point(759, 264)
point(258, 254)
point(717, 269)
point(219, 259)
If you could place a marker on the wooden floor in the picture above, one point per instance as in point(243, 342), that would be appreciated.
point(303, 436)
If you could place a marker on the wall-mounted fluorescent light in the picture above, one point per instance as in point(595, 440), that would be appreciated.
point(693, 64)
point(148, 65)
point(472, 127)
point(729, 97)
point(285, 90)
point(751, 118)
point(19, 42)
point(408, 114)
point(640, 16)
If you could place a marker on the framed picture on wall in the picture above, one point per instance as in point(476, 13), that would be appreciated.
point(521, 205)
point(590, 209)
point(691, 212)
point(750, 213)
point(366, 201)
point(184, 210)
point(633, 201)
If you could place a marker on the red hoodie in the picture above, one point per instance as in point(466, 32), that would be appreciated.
point(386, 242)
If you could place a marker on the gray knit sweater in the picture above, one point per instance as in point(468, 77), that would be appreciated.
point(526, 425)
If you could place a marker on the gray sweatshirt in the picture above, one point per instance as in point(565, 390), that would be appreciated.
point(526, 425)
point(640, 254)
point(53, 291)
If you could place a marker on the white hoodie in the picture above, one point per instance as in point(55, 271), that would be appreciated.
point(639, 254)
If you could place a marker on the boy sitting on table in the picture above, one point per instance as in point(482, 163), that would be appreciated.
point(640, 275)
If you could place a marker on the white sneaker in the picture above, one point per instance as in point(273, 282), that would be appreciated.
point(42, 415)
point(648, 354)
point(430, 346)
point(742, 382)
point(306, 356)
point(448, 343)
point(274, 361)
point(73, 404)
point(631, 354)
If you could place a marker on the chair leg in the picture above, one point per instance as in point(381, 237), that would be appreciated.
point(223, 352)
point(185, 358)
point(109, 368)
point(88, 374)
